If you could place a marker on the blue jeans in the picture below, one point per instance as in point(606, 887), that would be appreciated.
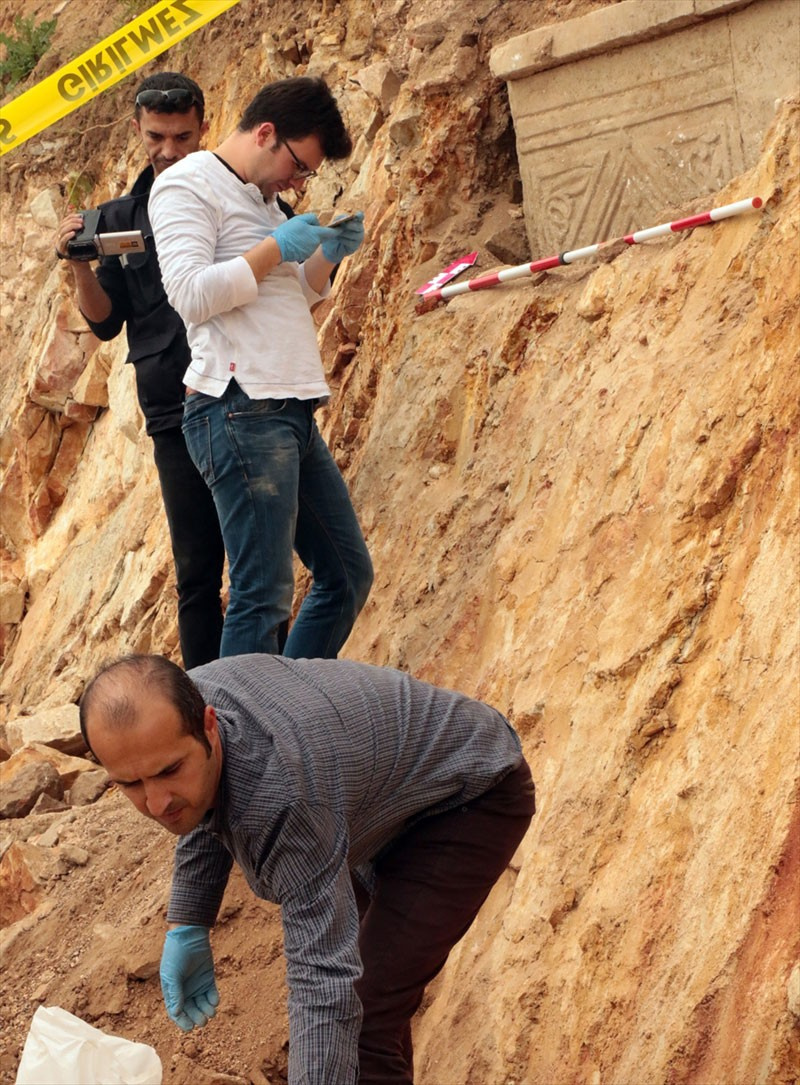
point(277, 489)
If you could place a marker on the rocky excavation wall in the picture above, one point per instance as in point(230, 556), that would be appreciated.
point(581, 495)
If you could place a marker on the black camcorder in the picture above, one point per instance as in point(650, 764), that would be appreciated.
point(91, 243)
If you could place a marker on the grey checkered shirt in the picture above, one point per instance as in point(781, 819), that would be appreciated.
point(325, 762)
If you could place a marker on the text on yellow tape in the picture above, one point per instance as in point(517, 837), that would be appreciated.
point(140, 40)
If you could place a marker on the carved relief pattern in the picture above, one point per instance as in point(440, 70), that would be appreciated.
point(638, 177)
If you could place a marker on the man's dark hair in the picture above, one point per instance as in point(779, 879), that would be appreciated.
point(110, 693)
point(172, 81)
point(300, 107)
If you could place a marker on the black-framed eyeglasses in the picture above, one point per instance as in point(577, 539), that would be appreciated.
point(302, 173)
point(177, 98)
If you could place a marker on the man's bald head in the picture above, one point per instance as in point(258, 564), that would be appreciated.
point(116, 693)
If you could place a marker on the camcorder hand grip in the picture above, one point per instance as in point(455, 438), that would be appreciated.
point(91, 243)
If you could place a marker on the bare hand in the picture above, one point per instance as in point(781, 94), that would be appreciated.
point(67, 229)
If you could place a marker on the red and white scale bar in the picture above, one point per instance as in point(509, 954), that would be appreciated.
point(523, 270)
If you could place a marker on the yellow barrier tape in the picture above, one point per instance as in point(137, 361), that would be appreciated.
point(72, 86)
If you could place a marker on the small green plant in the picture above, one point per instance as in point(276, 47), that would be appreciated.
point(24, 49)
point(79, 188)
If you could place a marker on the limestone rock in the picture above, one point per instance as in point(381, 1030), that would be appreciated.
point(91, 388)
point(381, 81)
point(73, 855)
point(45, 207)
point(510, 244)
point(50, 837)
point(122, 392)
point(22, 780)
point(597, 297)
point(89, 787)
point(61, 362)
point(46, 804)
point(55, 727)
point(69, 768)
point(25, 870)
point(144, 964)
point(50, 495)
point(12, 602)
point(427, 35)
point(79, 412)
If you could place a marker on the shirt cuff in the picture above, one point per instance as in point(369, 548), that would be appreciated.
point(312, 296)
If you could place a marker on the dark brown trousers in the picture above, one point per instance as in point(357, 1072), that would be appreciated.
point(430, 885)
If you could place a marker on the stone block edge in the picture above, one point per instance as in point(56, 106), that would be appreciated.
point(626, 23)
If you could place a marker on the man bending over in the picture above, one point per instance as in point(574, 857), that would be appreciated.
point(376, 810)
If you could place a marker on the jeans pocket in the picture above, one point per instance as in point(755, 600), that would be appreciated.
point(197, 434)
point(255, 408)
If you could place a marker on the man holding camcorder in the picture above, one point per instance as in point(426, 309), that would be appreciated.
point(127, 289)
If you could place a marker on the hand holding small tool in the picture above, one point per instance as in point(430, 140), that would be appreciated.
point(346, 237)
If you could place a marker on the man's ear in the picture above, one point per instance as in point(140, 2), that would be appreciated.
point(136, 126)
point(210, 726)
point(203, 129)
point(265, 133)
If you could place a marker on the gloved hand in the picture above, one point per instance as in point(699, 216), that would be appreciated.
point(187, 977)
point(346, 239)
point(300, 236)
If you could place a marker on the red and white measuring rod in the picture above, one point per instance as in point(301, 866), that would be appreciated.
point(483, 282)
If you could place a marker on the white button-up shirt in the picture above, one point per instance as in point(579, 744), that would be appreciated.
point(260, 333)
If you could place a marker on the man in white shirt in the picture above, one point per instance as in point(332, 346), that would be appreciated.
point(244, 277)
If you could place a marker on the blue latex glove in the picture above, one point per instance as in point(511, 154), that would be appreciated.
point(300, 236)
point(187, 977)
point(346, 239)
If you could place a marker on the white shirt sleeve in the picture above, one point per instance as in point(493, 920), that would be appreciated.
point(185, 221)
point(309, 293)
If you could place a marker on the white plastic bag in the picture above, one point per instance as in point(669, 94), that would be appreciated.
point(63, 1050)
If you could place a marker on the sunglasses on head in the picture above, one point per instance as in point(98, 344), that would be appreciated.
point(179, 97)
